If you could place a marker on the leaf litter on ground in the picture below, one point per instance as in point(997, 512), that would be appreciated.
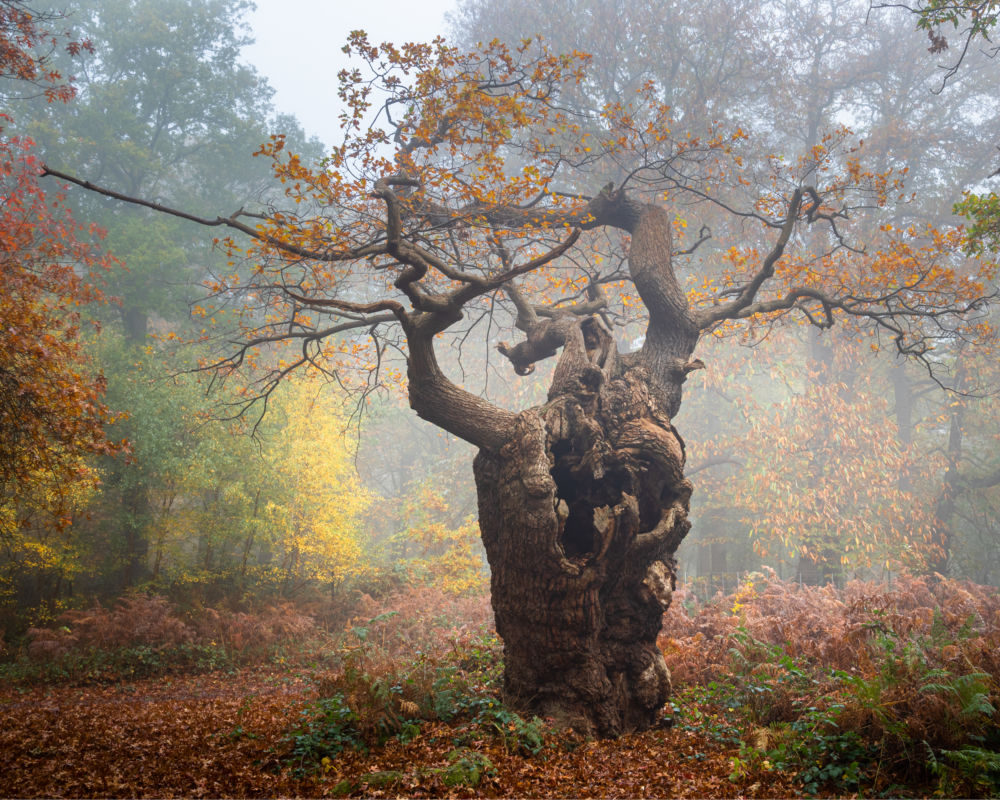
point(220, 735)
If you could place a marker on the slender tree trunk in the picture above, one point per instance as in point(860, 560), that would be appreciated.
point(248, 542)
point(944, 508)
point(135, 493)
point(902, 388)
point(822, 564)
point(136, 324)
point(136, 543)
point(166, 507)
point(158, 559)
point(291, 562)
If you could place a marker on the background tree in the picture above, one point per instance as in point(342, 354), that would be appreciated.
point(52, 414)
point(973, 20)
point(52, 410)
point(186, 512)
point(162, 97)
point(234, 521)
point(788, 75)
point(971, 475)
point(29, 48)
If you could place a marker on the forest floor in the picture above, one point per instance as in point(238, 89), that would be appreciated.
point(780, 690)
point(223, 734)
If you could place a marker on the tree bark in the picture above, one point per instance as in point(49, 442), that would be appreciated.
point(581, 512)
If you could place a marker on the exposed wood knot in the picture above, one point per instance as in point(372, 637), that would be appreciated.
point(659, 584)
point(591, 378)
point(615, 208)
point(521, 365)
point(679, 370)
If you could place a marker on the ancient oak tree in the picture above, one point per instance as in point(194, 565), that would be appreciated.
point(462, 200)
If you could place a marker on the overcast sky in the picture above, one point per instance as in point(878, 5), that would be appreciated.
point(298, 47)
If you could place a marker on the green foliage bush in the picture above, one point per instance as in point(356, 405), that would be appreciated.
point(855, 690)
point(969, 772)
point(325, 729)
point(379, 692)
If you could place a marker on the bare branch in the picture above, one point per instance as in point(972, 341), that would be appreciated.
point(709, 318)
point(226, 222)
point(703, 236)
point(708, 463)
point(342, 305)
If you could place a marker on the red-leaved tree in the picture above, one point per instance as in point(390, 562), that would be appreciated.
point(50, 400)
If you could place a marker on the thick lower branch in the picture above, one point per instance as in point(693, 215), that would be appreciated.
point(544, 340)
point(439, 401)
point(375, 248)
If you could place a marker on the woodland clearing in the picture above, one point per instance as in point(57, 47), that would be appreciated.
point(216, 735)
point(779, 690)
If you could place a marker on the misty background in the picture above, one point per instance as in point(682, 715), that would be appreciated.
point(810, 455)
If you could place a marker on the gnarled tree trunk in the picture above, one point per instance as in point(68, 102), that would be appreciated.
point(581, 512)
point(582, 501)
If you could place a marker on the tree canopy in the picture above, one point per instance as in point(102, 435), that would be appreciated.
point(471, 174)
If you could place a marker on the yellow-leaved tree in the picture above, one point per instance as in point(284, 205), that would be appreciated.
point(279, 517)
point(313, 513)
point(41, 552)
point(437, 550)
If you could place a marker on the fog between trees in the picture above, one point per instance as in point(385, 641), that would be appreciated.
point(810, 453)
point(807, 441)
